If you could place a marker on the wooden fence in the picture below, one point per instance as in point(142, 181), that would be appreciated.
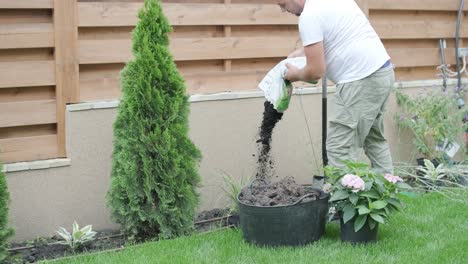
point(55, 52)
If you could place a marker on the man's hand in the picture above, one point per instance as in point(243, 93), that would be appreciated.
point(293, 73)
point(297, 53)
point(314, 68)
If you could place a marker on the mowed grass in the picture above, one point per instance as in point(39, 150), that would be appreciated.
point(432, 229)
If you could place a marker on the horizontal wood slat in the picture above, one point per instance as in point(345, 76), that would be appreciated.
point(28, 148)
point(98, 51)
point(417, 29)
point(27, 73)
point(419, 57)
point(430, 5)
point(27, 4)
point(106, 88)
point(14, 36)
point(28, 113)
point(105, 14)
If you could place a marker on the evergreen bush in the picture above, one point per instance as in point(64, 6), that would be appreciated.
point(155, 164)
point(5, 231)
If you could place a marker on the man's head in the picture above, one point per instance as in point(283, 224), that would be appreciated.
point(292, 6)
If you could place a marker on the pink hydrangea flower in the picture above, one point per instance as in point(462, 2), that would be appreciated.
point(392, 178)
point(353, 182)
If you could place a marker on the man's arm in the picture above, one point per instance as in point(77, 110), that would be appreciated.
point(314, 68)
point(297, 53)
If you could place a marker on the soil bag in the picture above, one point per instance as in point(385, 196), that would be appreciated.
point(277, 90)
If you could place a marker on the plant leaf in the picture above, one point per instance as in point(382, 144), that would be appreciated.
point(339, 195)
point(371, 194)
point(75, 227)
point(396, 203)
point(377, 218)
point(359, 222)
point(403, 185)
point(372, 224)
point(354, 198)
point(363, 210)
point(349, 213)
point(379, 204)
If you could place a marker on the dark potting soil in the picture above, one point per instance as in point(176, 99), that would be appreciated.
point(264, 162)
point(46, 248)
point(283, 192)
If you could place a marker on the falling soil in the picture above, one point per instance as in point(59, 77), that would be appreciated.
point(283, 192)
point(262, 191)
point(264, 162)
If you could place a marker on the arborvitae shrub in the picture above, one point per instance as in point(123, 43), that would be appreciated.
point(5, 231)
point(155, 164)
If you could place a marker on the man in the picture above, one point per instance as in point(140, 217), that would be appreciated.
point(338, 37)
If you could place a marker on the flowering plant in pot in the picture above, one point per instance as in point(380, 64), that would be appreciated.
point(363, 199)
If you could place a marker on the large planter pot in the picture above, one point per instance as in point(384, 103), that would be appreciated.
point(290, 225)
point(364, 235)
point(420, 162)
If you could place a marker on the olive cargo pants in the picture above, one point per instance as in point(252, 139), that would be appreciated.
point(356, 121)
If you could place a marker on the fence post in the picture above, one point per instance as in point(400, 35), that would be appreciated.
point(66, 62)
point(364, 5)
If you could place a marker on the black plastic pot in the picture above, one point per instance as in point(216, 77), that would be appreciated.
point(290, 225)
point(364, 235)
point(420, 162)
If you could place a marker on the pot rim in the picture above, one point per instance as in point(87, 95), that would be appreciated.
point(323, 196)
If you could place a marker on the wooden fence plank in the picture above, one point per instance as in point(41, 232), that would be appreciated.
point(28, 131)
point(422, 5)
point(416, 29)
point(419, 57)
point(106, 14)
point(66, 62)
point(98, 51)
point(364, 5)
point(28, 148)
point(15, 36)
point(27, 113)
point(26, 4)
point(27, 73)
point(108, 87)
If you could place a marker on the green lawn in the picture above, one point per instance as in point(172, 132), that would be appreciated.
point(432, 229)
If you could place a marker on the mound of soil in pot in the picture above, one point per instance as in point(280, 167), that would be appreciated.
point(283, 192)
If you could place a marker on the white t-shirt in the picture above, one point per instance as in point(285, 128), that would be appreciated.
point(353, 50)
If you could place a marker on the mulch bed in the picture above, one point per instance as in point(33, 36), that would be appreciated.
point(32, 251)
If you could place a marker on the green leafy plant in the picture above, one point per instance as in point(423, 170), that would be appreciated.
point(363, 195)
point(232, 188)
point(434, 119)
point(154, 163)
point(5, 231)
point(78, 237)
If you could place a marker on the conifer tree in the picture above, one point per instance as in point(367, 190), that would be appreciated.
point(5, 231)
point(155, 164)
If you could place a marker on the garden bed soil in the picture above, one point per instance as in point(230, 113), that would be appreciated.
point(47, 248)
point(32, 251)
point(283, 192)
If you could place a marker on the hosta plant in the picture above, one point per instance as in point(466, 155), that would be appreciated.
point(78, 237)
point(362, 195)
